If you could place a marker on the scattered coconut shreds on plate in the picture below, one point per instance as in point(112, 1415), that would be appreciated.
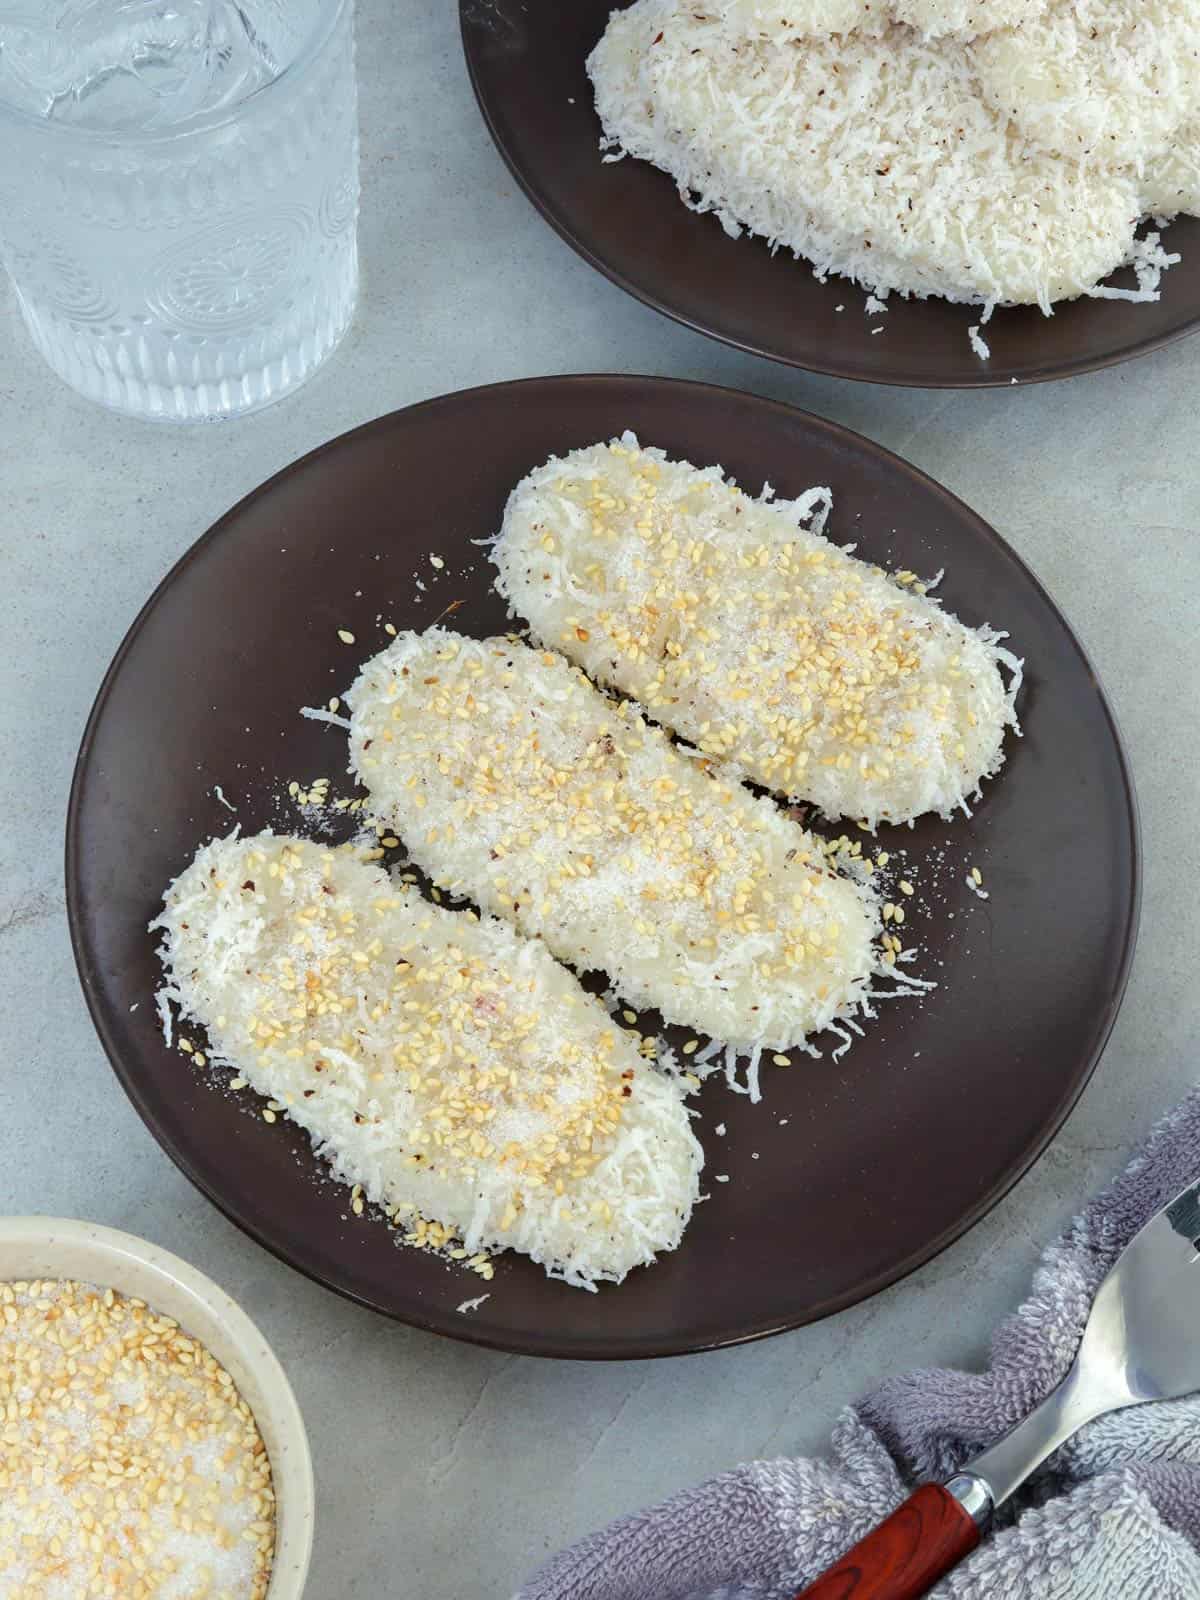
point(512, 780)
point(1149, 261)
point(325, 714)
point(1010, 169)
point(479, 1085)
point(978, 343)
point(720, 614)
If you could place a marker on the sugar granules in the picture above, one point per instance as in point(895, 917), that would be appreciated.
point(129, 1464)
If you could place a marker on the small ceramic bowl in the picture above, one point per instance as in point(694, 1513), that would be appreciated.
point(51, 1247)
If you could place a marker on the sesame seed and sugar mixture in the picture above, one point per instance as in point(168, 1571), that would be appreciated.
point(513, 780)
point(738, 626)
point(447, 1068)
point(130, 1464)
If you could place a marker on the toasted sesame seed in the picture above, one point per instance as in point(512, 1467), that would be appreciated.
point(905, 887)
point(768, 628)
point(464, 1040)
point(690, 1046)
point(345, 636)
point(557, 816)
point(782, 1060)
point(93, 1509)
point(436, 561)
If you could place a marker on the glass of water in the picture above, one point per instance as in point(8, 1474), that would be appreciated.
point(179, 194)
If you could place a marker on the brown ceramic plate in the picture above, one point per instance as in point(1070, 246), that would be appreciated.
point(526, 59)
point(850, 1173)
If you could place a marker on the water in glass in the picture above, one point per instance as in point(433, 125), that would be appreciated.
point(179, 194)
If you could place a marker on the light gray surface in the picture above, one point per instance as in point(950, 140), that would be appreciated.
point(442, 1469)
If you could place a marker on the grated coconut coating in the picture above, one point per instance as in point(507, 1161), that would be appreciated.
point(746, 632)
point(513, 780)
point(1110, 79)
point(874, 157)
point(449, 1069)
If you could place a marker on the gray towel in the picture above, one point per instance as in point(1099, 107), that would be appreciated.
point(1113, 1515)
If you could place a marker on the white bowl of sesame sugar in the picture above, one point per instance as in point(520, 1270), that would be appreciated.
point(57, 1274)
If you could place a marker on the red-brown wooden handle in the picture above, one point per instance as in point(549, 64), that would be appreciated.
point(905, 1556)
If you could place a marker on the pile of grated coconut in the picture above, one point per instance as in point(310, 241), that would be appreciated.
point(986, 151)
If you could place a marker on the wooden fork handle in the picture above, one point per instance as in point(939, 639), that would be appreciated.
point(904, 1556)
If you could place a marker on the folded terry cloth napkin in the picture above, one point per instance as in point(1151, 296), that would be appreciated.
point(1113, 1515)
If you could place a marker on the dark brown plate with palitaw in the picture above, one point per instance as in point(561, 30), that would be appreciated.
point(526, 59)
point(850, 1172)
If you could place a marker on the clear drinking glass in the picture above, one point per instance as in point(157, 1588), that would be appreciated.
point(179, 194)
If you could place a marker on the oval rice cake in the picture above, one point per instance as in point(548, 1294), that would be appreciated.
point(1110, 79)
point(513, 780)
point(876, 158)
point(744, 631)
point(447, 1066)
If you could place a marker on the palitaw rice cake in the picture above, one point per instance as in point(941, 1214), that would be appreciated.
point(876, 157)
point(449, 1068)
point(1109, 80)
point(514, 781)
point(737, 625)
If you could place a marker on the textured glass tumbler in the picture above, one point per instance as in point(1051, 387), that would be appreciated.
point(189, 252)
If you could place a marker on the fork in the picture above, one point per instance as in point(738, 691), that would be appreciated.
point(1139, 1344)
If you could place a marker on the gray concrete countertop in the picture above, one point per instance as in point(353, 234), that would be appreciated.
point(445, 1470)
